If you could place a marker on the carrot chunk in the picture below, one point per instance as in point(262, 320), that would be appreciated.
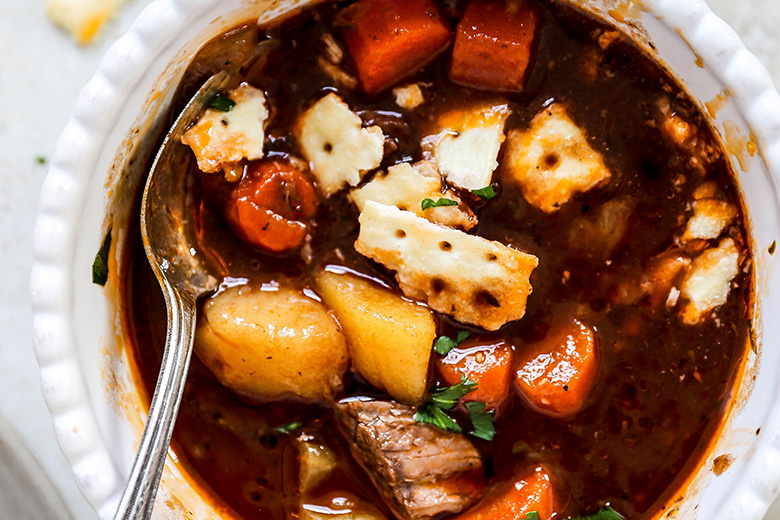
point(493, 44)
point(488, 365)
point(389, 39)
point(269, 205)
point(532, 491)
point(556, 375)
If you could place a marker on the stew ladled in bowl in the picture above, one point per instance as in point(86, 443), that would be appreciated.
point(480, 260)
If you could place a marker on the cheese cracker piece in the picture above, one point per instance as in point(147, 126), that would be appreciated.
point(220, 139)
point(466, 144)
point(552, 160)
point(472, 279)
point(339, 150)
point(710, 218)
point(83, 19)
point(708, 283)
point(406, 186)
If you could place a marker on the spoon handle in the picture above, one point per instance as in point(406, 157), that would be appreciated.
point(138, 498)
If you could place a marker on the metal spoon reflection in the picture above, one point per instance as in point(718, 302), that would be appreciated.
point(166, 229)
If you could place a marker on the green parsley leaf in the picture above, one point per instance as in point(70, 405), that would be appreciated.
point(486, 193)
point(40, 159)
point(430, 413)
point(221, 103)
point(448, 397)
point(532, 515)
point(430, 203)
point(100, 264)
point(605, 514)
point(289, 428)
point(444, 344)
point(481, 420)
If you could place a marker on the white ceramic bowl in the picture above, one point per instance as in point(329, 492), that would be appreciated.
point(97, 410)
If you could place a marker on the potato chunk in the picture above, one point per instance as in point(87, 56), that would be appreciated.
point(221, 139)
point(339, 149)
point(272, 344)
point(472, 279)
point(552, 160)
point(389, 338)
point(406, 186)
point(466, 144)
point(339, 506)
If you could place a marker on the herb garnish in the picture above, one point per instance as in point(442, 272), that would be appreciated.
point(481, 420)
point(532, 515)
point(222, 103)
point(431, 414)
point(289, 428)
point(605, 514)
point(447, 397)
point(444, 344)
point(486, 193)
point(430, 203)
point(432, 411)
point(40, 159)
point(100, 264)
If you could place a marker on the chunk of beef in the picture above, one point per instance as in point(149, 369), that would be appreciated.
point(420, 470)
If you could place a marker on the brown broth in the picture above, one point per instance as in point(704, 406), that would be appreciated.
point(663, 386)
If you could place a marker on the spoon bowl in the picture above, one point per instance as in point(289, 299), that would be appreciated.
point(166, 230)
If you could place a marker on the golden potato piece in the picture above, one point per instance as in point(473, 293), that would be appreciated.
point(338, 505)
point(389, 338)
point(272, 344)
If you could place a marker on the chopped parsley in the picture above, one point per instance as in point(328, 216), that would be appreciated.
point(481, 421)
point(40, 159)
point(486, 193)
point(532, 515)
point(289, 428)
point(444, 344)
point(222, 103)
point(100, 264)
point(432, 414)
point(605, 514)
point(433, 410)
point(447, 397)
point(430, 203)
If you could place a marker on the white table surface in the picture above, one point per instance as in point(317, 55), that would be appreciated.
point(41, 74)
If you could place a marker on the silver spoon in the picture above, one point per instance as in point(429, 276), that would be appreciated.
point(166, 229)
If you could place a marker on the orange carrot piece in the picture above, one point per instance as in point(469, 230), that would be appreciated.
point(532, 491)
point(556, 375)
point(493, 44)
point(488, 365)
point(390, 39)
point(269, 205)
